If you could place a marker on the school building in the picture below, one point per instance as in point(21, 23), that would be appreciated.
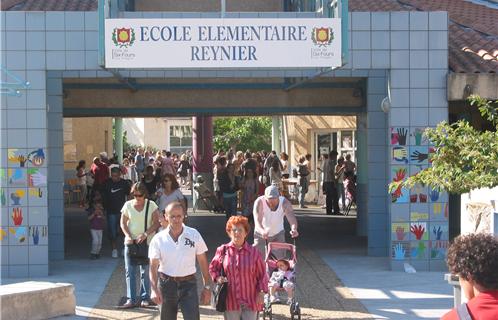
point(396, 67)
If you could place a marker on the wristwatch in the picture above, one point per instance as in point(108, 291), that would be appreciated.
point(207, 287)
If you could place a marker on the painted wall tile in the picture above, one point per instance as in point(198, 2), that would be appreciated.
point(37, 196)
point(418, 231)
point(439, 211)
point(17, 158)
point(4, 236)
point(439, 231)
point(17, 197)
point(399, 155)
point(400, 212)
point(400, 250)
point(417, 137)
point(419, 250)
point(18, 216)
point(18, 236)
point(400, 231)
point(419, 216)
point(38, 235)
point(419, 154)
point(37, 177)
point(399, 173)
point(17, 177)
point(438, 249)
point(36, 158)
point(399, 136)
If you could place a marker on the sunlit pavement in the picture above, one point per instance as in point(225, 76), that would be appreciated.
point(329, 255)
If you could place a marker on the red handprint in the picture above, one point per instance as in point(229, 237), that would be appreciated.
point(17, 216)
point(400, 174)
point(400, 233)
point(418, 231)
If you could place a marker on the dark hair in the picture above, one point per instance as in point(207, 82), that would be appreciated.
point(276, 164)
point(115, 170)
point(80, 164)
point(174, 182)
point(475, 257)
point(168, 154)
point(308, 156)
point(284, 156)
point(222, 161)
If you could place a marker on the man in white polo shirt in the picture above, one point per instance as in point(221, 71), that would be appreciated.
point(172, 254)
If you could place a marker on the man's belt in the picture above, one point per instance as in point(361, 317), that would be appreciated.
point(176, 279)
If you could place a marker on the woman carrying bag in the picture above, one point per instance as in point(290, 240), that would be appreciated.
point(244, 272)
point(139, 221)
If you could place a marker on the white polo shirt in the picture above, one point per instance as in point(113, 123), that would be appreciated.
point(177, 259)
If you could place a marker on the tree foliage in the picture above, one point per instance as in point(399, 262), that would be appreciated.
point(463, 158)
point(242, 133)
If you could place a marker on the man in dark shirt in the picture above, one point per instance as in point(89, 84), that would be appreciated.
point(248, 164)
point(115, 192)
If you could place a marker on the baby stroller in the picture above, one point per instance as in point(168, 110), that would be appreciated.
point(350, 186)
point(274, 252)
point(206, 196)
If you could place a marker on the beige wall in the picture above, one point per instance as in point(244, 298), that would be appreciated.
point(85, 138)
point(156, 133)
point(301, 129)
point(209, 5)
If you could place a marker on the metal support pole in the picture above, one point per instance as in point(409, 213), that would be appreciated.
point(275, 133)
point(362, 174)
point(223, 8)
point(118, 129)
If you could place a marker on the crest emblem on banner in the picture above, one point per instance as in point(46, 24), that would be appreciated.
point(322, 36)
point(123, 37)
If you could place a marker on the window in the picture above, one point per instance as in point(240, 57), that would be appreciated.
point(180, 137)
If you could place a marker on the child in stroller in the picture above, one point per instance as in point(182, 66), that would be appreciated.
point(281, 261)
point(206, 196)
point(282, 278)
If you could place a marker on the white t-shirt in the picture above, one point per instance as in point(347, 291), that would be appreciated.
point(164, 199)
point(177, 259)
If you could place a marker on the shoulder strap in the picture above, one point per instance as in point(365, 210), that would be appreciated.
point(463, 312)
point(146, 214)
point(222, 272)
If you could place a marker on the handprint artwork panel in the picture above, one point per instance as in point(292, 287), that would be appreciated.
point(399, 136)
point(419, 155)
point(37, 177)
point(37, 196)
point(438, 249)
point(417, 137)
point(399, 155)
point(400, 231)
point(18, 216)
point(38, 235)
point(400, 195)
point(418, 231)
point(17, 196)
point(419, 250)
point(400, 250)
point(439, 211)
point(17, 177)
point(18, 235)
point(439, 231)
point(16, 158)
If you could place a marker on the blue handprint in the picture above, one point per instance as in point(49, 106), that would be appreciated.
point(434, 194)
point(438, 233)
point(399, 252)
point(36, 235)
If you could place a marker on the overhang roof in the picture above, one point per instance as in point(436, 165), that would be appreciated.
point(472, 36)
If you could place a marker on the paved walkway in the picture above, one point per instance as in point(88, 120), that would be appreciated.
point(336, 280)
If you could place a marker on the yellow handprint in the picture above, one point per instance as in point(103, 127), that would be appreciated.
point(3, 234)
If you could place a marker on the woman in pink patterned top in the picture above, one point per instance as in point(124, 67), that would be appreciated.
point(244, 269)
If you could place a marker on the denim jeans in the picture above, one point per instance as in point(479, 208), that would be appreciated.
point(182, 294)
point(112, 225)
point(131, 272)
point(230, 204)
point(303, 189)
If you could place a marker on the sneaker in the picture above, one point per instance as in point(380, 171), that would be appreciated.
point(303, 207)
point(114, 253)
point(147, 303)
point(127, 305)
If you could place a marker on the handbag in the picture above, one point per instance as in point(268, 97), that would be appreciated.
point(139, 252)
point(220, 291)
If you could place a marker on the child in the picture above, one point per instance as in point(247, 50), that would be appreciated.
point(96, 218)
point(282, 278)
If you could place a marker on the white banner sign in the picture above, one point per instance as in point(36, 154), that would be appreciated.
point(222, 43)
